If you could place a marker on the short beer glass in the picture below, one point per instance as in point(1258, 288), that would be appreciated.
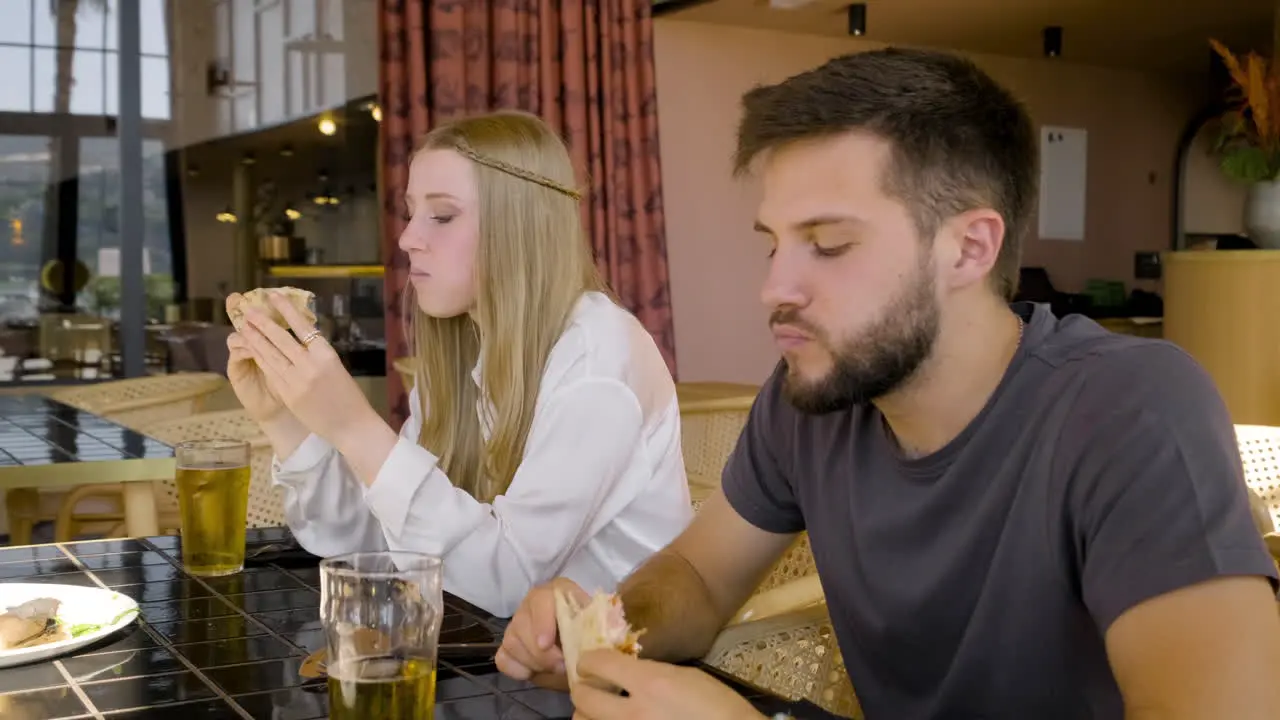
point(381, 613)
point(213, 500)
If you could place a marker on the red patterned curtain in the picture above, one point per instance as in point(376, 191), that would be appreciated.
point(585, 66)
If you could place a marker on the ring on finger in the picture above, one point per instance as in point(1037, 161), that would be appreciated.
point(310, 338)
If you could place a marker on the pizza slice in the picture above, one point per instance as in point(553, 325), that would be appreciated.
point(599, 624)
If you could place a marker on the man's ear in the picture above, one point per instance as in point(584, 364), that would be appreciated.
point(977, 236)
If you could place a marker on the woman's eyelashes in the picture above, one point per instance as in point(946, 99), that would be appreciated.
point(442, 219)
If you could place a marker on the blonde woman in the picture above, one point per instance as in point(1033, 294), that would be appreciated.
point(545, 435)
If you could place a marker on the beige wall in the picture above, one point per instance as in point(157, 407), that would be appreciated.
point(1134, 122)
point(1213, 203)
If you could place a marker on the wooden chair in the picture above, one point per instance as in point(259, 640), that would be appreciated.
point(266, 503)
point(132, 403)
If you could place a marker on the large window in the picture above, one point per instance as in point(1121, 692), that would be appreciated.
point(60, 244)
point(24, 176)
point(41, 39)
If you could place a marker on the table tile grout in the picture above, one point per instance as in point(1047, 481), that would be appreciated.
point(75, 688)
point(160, 640)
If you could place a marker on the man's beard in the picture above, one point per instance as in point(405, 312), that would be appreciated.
point(880, 360)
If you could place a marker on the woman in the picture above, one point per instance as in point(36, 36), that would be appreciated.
point(544, 438)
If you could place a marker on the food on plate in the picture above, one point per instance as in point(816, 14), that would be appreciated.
point(598, 625)
point(34, 622)
point(259, 298)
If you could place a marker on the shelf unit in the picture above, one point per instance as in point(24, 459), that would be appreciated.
point(329, 272)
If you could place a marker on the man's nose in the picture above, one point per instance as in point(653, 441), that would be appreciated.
point(783, 283)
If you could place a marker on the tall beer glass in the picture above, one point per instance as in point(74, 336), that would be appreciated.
point(213, 500)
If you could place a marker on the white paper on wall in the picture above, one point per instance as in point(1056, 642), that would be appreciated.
point(1063, 180)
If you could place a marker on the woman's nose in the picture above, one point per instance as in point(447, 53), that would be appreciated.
point(411, 239)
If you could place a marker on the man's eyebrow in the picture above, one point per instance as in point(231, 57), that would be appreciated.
point(813, 222)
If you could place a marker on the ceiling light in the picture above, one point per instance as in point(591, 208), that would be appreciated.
point(858, 19)
point(1052, 41)
point(327, 126)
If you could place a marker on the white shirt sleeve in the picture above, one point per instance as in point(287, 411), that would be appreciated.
point(323, 504)
point(578, 453)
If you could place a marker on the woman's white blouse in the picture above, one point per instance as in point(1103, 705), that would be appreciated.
point(601, 488)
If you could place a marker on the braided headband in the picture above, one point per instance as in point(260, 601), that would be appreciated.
point(514, 171)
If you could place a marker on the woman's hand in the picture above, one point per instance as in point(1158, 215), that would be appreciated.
point(247, 379)
point(309, 380)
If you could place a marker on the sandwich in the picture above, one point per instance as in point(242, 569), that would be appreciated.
point(34, 622)
point(259, 298)
point(600, 624)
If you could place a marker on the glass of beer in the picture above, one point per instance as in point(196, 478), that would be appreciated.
point(381, 614)
point(213, 500)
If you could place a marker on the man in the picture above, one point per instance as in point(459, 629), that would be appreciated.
point(1013, 515)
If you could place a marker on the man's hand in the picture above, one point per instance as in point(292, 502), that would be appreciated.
point(657, 691)
point(530, 649)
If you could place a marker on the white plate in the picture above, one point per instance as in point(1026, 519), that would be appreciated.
point(80, 606)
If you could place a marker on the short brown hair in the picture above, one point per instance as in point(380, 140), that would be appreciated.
point(960, 140)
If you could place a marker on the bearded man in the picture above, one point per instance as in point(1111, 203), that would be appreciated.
point(1013, 515)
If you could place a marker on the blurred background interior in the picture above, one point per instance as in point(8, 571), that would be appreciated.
point(259, 145)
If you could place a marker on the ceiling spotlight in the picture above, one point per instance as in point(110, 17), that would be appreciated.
point(226, 216)
point(327, 126)
point(1052, 41)
point(376, 112)
point(858, 19)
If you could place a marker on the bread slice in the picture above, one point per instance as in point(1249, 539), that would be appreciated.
point(258, 298)
point(598, 625)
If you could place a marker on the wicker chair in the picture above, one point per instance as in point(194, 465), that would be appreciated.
point(710, 424)
point(792, 654)
point(138, 402)
point(132, 403)
point(712, 416)
point(265, 501)
point(1260, 454)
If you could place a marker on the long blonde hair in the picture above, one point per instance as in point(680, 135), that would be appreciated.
point(532, 266)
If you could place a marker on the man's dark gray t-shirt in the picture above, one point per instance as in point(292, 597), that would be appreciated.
point(978, 581)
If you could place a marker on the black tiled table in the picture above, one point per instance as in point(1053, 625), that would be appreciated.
point(44, 443)
point(231, 647)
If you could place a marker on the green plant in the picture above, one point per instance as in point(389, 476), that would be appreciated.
point(105, 293)
point(1249, 142)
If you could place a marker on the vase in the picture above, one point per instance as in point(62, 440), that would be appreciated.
point(1262, 214)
